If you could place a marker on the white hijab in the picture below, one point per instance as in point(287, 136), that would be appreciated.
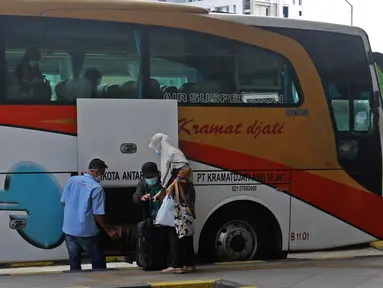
point(171, 156)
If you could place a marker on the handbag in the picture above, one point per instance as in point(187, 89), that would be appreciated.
point(165, 215)
point(184, 220)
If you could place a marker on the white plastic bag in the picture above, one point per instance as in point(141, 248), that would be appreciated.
point(165, 215)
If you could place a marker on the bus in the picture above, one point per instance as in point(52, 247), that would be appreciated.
point(279, 118)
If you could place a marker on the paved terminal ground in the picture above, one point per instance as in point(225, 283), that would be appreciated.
point(343, 269)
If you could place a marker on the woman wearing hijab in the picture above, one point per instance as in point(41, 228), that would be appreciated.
point(177, 178)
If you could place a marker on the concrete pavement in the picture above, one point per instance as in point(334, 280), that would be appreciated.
point(124, 265)
point(334, 271)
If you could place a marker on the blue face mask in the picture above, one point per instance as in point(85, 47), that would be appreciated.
point(151, 181)
point(158, 153)
point(98, 179)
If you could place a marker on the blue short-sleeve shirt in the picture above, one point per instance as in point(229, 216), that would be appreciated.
point(83, 198)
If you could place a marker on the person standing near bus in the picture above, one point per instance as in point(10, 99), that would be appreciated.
point(84, 201)
point(177, 178)
point(148, 186)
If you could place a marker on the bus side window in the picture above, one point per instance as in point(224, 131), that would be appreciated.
point(71, 51)
point(295, 94)
point(205, 70)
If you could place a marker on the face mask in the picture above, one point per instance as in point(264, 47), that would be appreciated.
point(98, 178)
point(34, 63)
point(158, 153)
point(151, 181)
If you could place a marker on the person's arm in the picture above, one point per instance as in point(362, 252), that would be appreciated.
point(140, 192)
point(65, 192)
point(63, 197)
point(160, 195)
point(98, 206)
point(171, 189)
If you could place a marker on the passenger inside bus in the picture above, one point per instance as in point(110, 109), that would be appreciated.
point(114, 80)
point(28, 71)
point(31, 81)
point(94, 76)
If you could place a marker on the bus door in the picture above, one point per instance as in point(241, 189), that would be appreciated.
point(119, 131)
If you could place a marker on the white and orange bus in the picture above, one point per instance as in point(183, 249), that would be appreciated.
point(281, 120)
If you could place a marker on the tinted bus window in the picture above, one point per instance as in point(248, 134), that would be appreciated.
point(205, 70)
point(51, 61)
point(56, 61)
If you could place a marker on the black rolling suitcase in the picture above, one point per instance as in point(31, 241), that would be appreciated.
point(152, 245)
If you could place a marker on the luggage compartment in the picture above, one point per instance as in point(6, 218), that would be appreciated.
point(123, 216)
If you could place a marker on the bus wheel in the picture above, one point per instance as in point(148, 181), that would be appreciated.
point(240, 231)
point(236, 241)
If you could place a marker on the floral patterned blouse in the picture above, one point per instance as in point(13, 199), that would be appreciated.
point(184, 212)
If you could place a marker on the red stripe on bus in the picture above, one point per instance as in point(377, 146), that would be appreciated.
point(356, 207)
point(359, 208)
point(61, 119)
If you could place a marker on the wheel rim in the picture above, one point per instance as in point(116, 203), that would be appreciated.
point(236, 241)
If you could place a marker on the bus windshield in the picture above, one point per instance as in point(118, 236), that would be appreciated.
point(342, 64)
point(345, 74)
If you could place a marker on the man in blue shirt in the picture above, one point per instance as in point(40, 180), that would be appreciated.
point(84, 202)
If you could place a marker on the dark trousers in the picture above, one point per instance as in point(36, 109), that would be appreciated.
point(91, 245)
point(181, 250)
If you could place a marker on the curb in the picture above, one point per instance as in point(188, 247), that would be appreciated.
point(185, 284)
point(229, 284)
point(377, 245)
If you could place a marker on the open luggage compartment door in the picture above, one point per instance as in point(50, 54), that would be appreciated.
point(119, 131)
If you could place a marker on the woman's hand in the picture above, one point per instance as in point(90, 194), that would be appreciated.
point(145, 197)
point(157, 197)
point(160, 195)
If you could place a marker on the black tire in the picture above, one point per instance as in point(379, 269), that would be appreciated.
point(212, 236)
